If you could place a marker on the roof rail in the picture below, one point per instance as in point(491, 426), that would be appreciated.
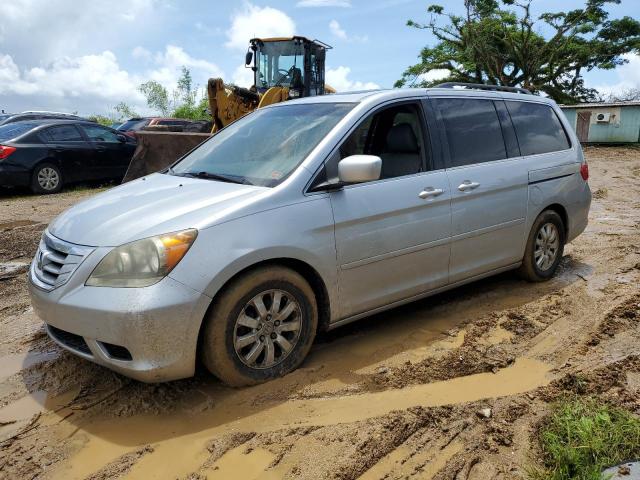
point(482, 86)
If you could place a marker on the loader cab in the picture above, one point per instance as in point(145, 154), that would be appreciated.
point(296, 63)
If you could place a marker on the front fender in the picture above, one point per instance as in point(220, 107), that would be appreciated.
point(303, 231)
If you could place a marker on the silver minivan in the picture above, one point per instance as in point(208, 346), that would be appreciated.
point(304, 216)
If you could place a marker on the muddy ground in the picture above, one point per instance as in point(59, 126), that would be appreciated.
point(452, 387)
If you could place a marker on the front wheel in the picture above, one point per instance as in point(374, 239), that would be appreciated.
point(545, 247)
point(260, 328)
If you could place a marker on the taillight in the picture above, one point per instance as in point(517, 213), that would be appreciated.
point(584, 171)
point(5, 151)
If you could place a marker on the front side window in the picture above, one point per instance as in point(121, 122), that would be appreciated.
point(538, 128)
point(62, 133)
point(100, 134)
point(393, 134)
point(473, 130)
point(264, 147)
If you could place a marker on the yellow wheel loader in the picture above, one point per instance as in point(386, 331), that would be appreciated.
point(283, 69)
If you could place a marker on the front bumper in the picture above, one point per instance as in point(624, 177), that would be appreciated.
point(157, 325)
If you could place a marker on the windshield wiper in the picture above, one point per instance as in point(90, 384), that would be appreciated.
point(215, 176)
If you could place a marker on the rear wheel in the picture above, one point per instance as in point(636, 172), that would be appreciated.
point(545, 247)
point(260, 328)
point(46, 178)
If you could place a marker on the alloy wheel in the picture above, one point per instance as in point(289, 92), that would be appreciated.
point(547, 246)
point(267, 329)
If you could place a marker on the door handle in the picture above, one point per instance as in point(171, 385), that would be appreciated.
point(468, 185)
point(430, 192)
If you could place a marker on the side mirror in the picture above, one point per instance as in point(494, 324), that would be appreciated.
point(248, 57)
point(359, 168)
point(122, 138)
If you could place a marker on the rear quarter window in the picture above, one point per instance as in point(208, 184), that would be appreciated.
point(538, 128)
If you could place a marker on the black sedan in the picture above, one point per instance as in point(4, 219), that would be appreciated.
point(44, 155)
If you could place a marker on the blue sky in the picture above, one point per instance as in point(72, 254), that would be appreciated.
point(87, 56)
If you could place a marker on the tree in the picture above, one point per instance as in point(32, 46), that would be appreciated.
point(500, 42)
point(157, 96)
point(124, 111)
point(626, 95)
point(183, 102)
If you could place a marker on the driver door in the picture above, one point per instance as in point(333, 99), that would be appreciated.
point(112, 155)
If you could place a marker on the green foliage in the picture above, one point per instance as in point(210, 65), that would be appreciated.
point(500, 42)
point(101, 119)
point(157, 96)
point(193, 110)
point(182, 103)
point(124, 112)
point(582, 437)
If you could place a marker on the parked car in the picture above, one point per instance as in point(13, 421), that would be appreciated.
point(304, 216)
point(136, 124)
point(46, 154)
point(27, 116)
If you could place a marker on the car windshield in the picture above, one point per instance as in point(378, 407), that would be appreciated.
point(14, 130)
point(264, 147)
point(133, 124)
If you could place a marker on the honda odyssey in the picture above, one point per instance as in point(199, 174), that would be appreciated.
point(307, 215)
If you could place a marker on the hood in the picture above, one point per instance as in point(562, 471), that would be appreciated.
point(150, 206)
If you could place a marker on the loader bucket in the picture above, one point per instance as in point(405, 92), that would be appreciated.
point(157, 150)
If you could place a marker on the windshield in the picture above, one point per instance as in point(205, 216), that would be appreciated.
point(281, 64)
point(133, 124)
point(264, 147)
point(14, 130)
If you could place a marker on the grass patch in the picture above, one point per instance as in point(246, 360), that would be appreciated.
point(581, 437)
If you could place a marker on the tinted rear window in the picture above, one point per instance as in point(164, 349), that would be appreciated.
point(133, 125)
point(473, 130)
point(538, 128)
point(61, 133)
point(14, 130)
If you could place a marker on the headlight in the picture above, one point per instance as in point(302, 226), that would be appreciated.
point(143, 262)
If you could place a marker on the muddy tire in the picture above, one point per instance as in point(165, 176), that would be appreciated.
point(545, 247)
point(261, 327)
point(46, 178)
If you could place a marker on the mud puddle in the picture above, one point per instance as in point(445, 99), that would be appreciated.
point(180, 436)
point(12, 364)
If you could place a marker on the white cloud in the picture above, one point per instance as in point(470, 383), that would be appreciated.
point(36, 31)
point(252, 21)
point(628, 76)
point(94, 83)
point(324, 3)
point(95, 75)
point(242, 77)
point(339, 32)
point(170, 62)
point(433, 75)
point(338, 79)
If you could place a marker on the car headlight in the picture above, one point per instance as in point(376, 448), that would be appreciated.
point(143, 262)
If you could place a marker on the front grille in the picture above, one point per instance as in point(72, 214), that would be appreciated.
point(56, 260)
point(71, 340)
